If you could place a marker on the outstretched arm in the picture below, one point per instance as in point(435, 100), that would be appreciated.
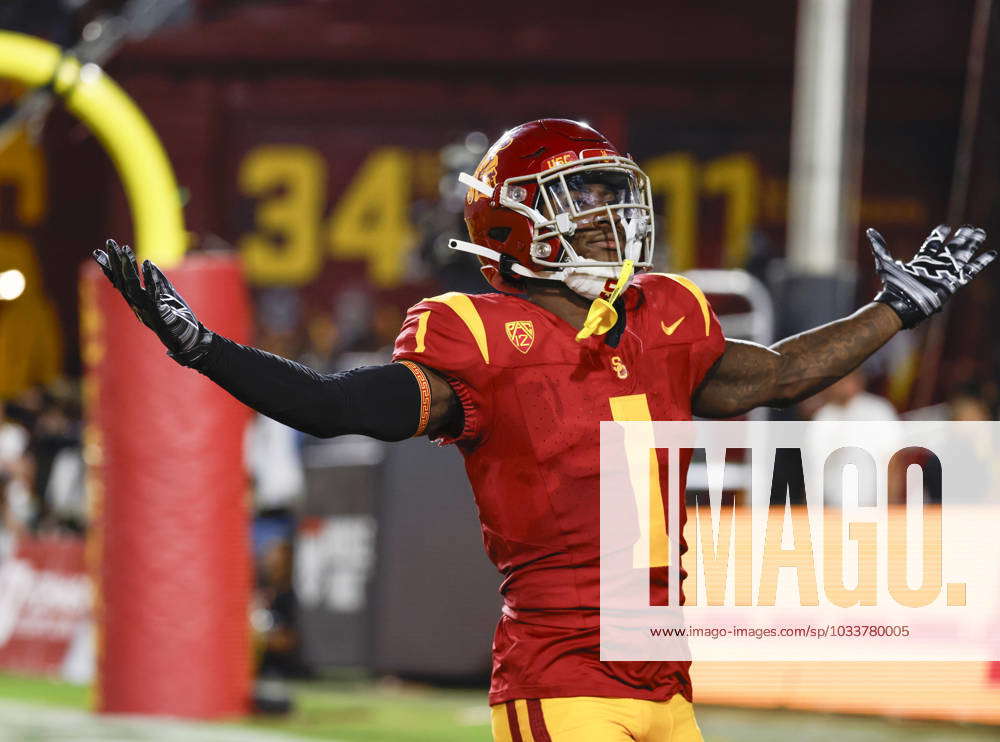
point(748, 375)
point(389, 402)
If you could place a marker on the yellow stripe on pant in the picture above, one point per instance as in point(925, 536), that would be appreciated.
point(595, 719)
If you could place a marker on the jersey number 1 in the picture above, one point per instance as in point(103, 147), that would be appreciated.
point(644, 474)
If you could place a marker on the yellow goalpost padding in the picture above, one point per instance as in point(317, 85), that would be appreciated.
point(123, 130)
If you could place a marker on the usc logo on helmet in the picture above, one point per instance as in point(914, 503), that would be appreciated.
point(562, 159)
point(487, 170)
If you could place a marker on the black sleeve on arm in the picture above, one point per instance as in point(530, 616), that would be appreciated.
point(378, 401)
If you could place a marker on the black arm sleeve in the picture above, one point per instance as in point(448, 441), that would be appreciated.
point(378, 401)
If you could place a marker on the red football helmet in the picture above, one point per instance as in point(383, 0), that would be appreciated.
point(535, 186)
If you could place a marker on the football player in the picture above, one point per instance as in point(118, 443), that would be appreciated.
point(520, 380)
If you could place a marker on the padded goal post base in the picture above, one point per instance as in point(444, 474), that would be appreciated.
point(169, 544)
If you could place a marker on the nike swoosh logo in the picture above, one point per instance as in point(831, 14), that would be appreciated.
point(670, 330)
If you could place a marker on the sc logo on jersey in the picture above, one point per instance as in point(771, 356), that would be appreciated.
point(618, 367)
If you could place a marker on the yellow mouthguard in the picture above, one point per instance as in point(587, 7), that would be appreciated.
point(602, 315)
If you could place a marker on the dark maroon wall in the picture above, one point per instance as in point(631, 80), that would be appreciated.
point(659, 78)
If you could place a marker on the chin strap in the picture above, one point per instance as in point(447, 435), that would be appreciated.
point(602, 315)
point(494, 255)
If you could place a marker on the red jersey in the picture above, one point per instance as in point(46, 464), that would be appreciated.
point(533, 399)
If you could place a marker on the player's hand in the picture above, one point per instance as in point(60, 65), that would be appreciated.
point(158, 305)
point(919, 288)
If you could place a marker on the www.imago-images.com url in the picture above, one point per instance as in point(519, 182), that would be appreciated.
point(797, 632)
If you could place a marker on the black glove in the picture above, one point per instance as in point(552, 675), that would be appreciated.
point(919, 288)
point(158, 305)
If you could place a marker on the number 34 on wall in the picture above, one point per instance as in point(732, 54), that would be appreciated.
point(370, 221)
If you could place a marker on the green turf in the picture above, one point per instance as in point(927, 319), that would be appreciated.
point(361, 711)
point(38, 690)
point(342, 710)
point(382, 712)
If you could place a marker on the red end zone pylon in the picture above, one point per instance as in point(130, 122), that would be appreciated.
point(169, 543)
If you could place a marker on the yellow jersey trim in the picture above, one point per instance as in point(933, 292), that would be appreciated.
point(462, 306)
point(422, 331)
point(693, 288)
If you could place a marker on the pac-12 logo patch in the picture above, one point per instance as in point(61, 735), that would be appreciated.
point(521, 334)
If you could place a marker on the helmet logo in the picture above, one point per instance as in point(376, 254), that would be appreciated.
point(521, 334)
point(571, 156)
point(487, 170)
point(557, 160)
